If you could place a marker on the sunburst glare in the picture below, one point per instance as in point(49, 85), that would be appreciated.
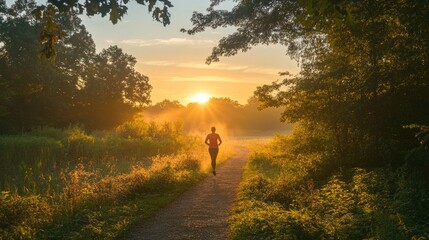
point(200, 98)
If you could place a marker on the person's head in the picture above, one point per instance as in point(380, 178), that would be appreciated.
point(213, 129)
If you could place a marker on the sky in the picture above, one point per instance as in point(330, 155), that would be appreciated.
point(175, 61)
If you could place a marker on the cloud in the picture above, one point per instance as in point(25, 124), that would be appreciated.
point(167, 42)
point(217, 66)
point(262, 70)
point(159, 63)
point(209, 78)
point(109, 41)
point(202, 79)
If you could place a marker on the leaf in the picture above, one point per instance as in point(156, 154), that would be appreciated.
point(37, 13)
point(151, 5)
point(81, 8)
point(114, 15)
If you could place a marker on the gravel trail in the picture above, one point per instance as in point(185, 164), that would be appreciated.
point(199, 213)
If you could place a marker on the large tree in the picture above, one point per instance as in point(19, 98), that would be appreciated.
point(36, 92)
point(113, 90)
point(365, 64)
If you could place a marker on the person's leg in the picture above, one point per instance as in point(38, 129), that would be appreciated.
point(213, 156)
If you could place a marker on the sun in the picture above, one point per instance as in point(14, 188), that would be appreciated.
point(200, 98)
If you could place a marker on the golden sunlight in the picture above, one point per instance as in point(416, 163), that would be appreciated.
point(200, 98)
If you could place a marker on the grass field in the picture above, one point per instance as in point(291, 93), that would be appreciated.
point(68, 184)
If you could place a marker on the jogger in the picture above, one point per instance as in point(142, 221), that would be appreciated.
point(213, 140)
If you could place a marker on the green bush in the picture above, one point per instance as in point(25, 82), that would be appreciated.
point(48, 132)
point(258, 220)
point(22, 216)
point(256, 187)
point(133, 129)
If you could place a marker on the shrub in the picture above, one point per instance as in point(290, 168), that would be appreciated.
point(48, 132)
point(257, 187)
point(22, 216)
point(261, 161)
point(132, 129)
point(187, 162)
point(258, 220)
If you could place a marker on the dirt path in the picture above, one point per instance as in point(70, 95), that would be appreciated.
point(199, 213)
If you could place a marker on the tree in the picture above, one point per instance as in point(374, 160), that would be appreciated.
point(52, 31)
point(165, 106)
point(79, 86)
point(113, 90)
point(365, 70)
point(38, 92)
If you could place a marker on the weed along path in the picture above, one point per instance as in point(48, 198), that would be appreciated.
point(199, 213)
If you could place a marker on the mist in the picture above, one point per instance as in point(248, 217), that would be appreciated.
point(228, 116)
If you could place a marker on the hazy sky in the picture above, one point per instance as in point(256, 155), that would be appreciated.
point(175, 61)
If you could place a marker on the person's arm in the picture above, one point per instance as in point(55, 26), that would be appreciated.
point(206, 141)
point(220, 140)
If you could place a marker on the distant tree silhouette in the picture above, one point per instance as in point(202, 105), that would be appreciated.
point(166, 106)
point(237, 119)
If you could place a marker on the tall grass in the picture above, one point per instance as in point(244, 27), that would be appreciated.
point(291, 191)
point(68, 184)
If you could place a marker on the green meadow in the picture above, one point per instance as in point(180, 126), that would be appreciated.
point(58, 184)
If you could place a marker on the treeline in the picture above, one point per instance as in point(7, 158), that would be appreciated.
point(229, 116)
point(98, 90)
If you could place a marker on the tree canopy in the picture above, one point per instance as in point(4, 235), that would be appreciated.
point(52, 31)
point(364, 64)
point(98, 90)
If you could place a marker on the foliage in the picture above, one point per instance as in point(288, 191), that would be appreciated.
point(307, 198)
point(99, 91)
point(364, 67)
point(259, 220)
point(52, 30)
point(351, 170)
point(20, 216)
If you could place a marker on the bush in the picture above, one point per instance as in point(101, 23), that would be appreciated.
point(257, 187)
point(258, 220)
point(48, 132)
point(132, 129)
point(262, 161)
point(22, 216)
